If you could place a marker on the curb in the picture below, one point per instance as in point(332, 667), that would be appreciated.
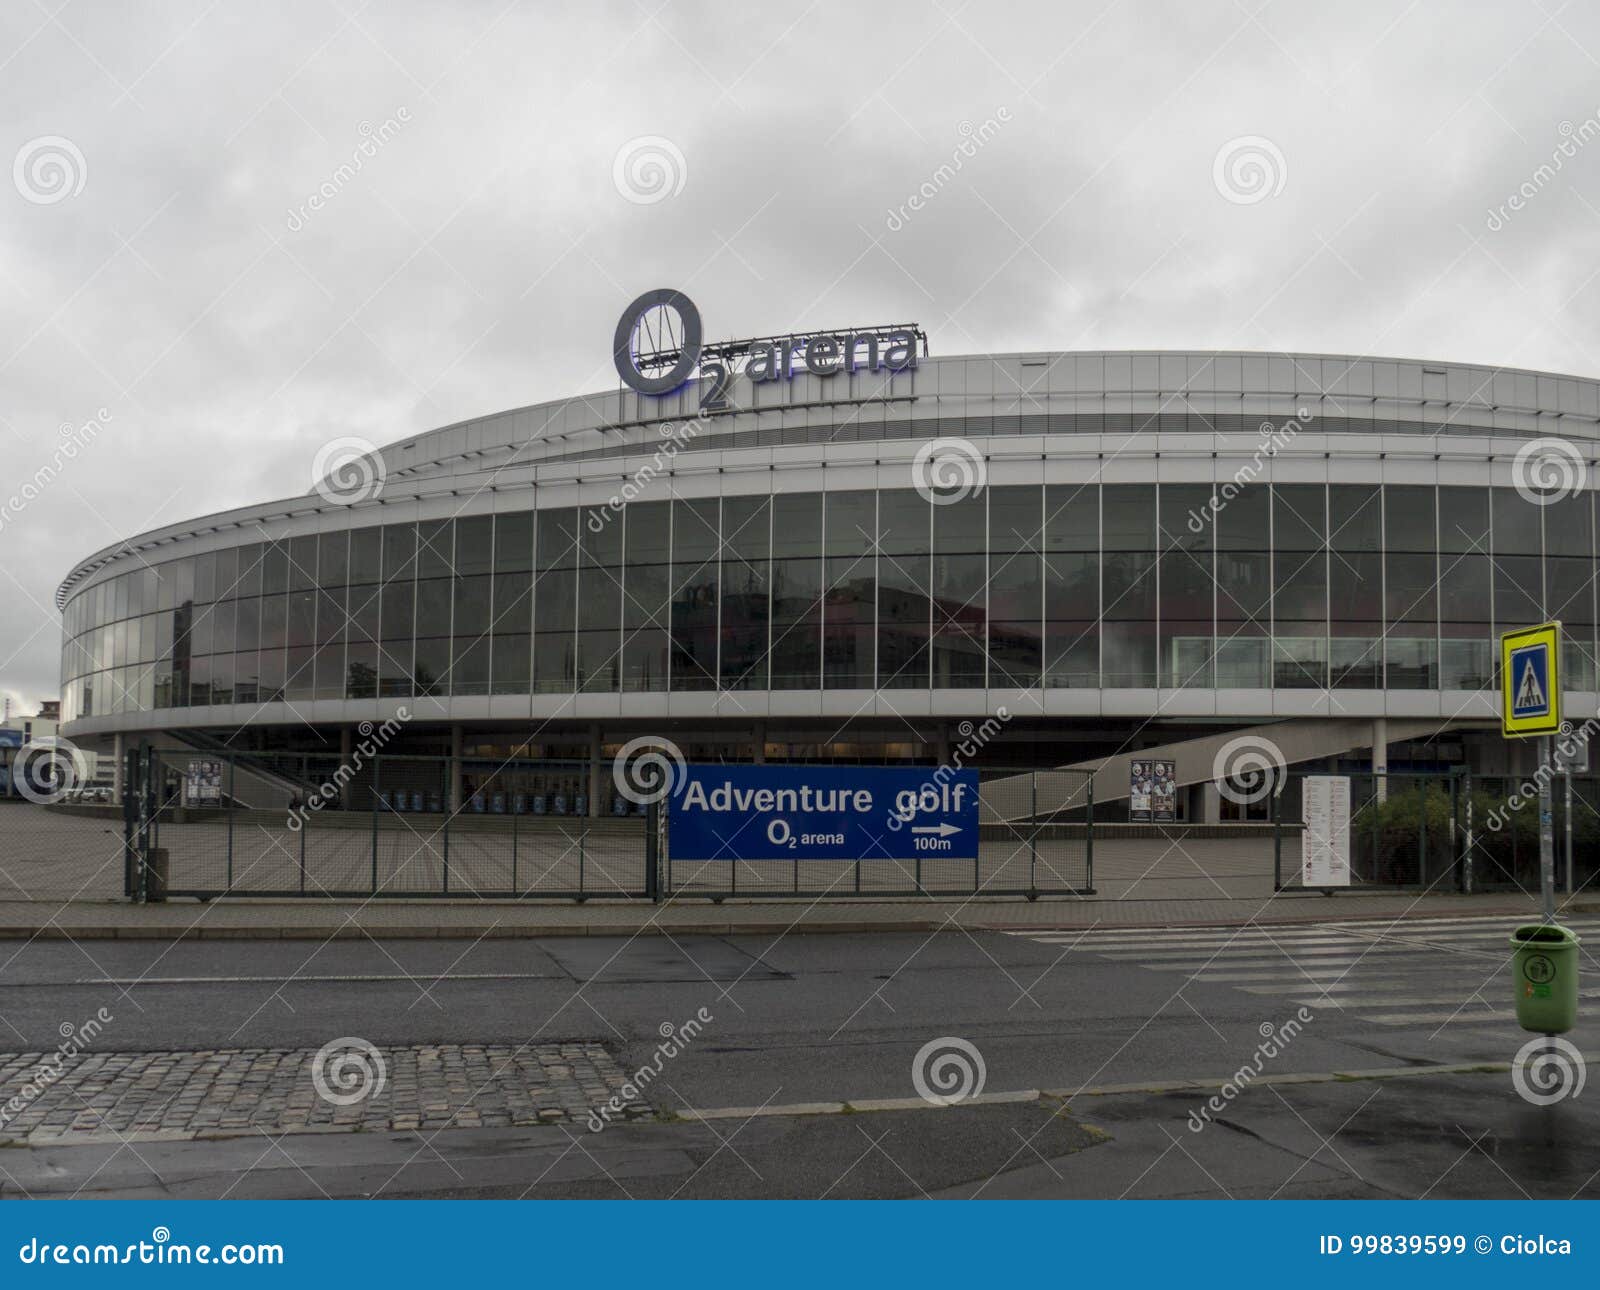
point(1419, 916)
point(1066, 1096)
point(349, 929)
point(412, 931)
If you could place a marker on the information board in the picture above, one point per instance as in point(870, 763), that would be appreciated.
point(1325, 843)
point(823, 813)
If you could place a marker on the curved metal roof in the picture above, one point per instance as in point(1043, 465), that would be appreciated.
point(1123, 391)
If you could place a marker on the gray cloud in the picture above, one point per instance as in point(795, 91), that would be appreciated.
point(478, 256)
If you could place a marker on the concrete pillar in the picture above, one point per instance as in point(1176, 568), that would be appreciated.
point(596, 777)
point(758, 744)
point(455, 769)
point(119, 749)
point(942, 744)
point(346, 749)
point(1380, 757)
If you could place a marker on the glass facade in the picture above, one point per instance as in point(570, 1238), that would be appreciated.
point(1120, 586)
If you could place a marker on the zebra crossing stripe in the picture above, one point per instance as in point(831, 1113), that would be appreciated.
point(1489, 926)
point(1415, 1000)
point(1473, 920)
point(1252, 942)
point(1269, 952)
point(1348, 984)
point(1488, 935)
point(1294, 969)
point(1332, 972)
point(1402, 966)
point(1465, 933)
point(1180, 935)
point(1438, 1018)
point(1391, 956)
point(1392, 972)
point(1234, 947)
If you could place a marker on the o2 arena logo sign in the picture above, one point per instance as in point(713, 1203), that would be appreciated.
point(660, 344)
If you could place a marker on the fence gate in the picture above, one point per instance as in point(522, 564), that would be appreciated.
point(139, 813)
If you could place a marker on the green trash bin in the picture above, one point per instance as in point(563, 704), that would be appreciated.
point(1544, 973)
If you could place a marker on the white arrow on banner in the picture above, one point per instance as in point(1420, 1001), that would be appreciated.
point(943, 830)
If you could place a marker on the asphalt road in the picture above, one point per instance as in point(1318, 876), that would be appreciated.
point(841, 1018)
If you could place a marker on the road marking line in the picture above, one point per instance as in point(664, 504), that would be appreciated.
point(1107, 1090)
point(420, 975)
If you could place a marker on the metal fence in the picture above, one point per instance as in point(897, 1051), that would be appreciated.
point(1450, 831)
point(210, 824)
point(1505, 831)
point(242, 824)
point(203, 823)
point(1036, 837)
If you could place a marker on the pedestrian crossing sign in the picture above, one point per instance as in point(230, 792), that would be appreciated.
point(1530, 683)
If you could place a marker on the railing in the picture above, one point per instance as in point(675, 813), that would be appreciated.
point(1449, 831)
point(378, 826)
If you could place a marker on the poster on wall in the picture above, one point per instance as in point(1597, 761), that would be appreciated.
point(202, 783)
point(1152, 791)
point(1139, 792)
point(1325, 844)
point(1164, 791)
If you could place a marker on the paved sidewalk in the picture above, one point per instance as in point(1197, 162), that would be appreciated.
point(170, 1096)
point(331, 919)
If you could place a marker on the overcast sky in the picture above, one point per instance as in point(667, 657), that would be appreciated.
point(1228, 175)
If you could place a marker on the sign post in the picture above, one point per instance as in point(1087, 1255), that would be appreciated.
point(1573, 758)
point(1530, 708)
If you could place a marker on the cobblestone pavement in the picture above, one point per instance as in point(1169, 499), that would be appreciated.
point(226, 1091)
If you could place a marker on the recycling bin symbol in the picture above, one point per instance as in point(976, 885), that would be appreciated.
point(1539, 969)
